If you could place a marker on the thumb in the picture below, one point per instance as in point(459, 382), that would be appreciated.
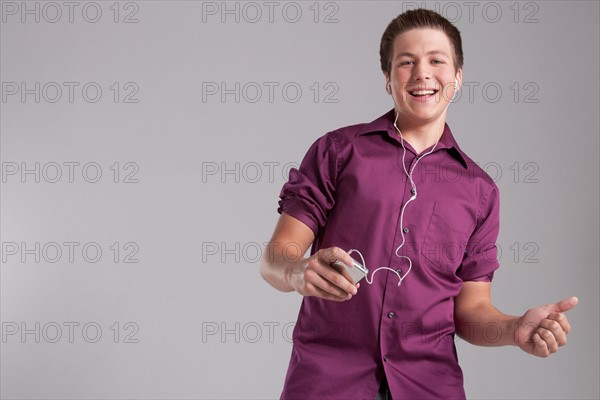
point(564, 305)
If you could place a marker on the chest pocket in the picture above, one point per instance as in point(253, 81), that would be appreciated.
point(444, 246)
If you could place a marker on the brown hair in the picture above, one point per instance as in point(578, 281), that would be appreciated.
point(414, 19)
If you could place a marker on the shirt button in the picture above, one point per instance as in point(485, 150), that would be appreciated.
point(385, 358)
point(399, 271)
point(391, 314)
point(406, 230)
point(413, 191)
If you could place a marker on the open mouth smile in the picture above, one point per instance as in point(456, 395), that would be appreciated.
point(423, 92)
point(422, 95)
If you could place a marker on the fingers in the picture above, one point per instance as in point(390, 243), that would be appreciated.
point(323, 280)
point(548, 344)
point(540, 348)
point(564, 305)
point(325, 286)
point(331, 255)
point(550, 335)
point(562, 320)
point(340, 269)
point(554, 332)
point(339, 277)
point(326, 295)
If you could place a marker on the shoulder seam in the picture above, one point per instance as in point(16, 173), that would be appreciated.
point(338, 163)
point(484, 201)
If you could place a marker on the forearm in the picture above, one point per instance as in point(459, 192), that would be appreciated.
point(277, 267)
point(483, 325)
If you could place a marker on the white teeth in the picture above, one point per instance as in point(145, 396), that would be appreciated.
point(422, 92)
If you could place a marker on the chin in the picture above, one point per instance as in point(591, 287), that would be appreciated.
point(424, 118)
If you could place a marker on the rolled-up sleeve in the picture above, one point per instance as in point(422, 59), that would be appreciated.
point(309, 193)
point(480, 258)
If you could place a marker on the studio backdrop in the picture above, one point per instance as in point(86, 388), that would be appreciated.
point(144, 145)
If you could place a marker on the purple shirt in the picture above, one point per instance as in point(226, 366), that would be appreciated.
point(349, 189)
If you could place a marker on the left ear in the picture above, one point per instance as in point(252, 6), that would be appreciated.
point(458, 77)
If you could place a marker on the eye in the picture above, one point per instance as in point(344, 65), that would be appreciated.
point(405, 62)
point(438, 61)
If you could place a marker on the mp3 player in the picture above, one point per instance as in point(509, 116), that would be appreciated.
point(356, 271)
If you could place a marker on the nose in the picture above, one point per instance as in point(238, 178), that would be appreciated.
point(421, 72)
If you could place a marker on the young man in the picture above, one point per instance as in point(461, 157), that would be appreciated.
point(426, 219)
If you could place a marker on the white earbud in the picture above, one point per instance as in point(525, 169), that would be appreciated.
point(455, 90)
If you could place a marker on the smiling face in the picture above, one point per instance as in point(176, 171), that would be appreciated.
point(422, 75)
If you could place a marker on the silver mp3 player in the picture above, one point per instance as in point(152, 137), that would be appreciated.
point(356, 271)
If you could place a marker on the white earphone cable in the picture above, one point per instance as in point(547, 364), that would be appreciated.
point(413, 197)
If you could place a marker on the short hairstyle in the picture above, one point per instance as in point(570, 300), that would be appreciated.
point(414, 19)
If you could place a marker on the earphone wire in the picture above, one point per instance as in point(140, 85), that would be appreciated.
point(413, 197)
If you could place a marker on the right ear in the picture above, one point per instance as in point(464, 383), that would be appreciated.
point(388, 84)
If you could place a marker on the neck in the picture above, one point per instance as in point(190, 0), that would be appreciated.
point(422, 136)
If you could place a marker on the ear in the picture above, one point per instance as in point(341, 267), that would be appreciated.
point(388, 84)
point(459, 78)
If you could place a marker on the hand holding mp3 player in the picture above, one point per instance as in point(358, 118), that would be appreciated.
point(319, 275)
point(356, 270)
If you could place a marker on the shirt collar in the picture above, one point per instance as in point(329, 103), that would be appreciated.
point(385, 123)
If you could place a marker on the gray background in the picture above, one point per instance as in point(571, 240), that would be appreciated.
point(194, 319)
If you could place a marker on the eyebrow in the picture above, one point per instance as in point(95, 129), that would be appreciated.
point(428, 53)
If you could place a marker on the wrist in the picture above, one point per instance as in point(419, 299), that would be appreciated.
point(294, 272)
point(511, 325)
